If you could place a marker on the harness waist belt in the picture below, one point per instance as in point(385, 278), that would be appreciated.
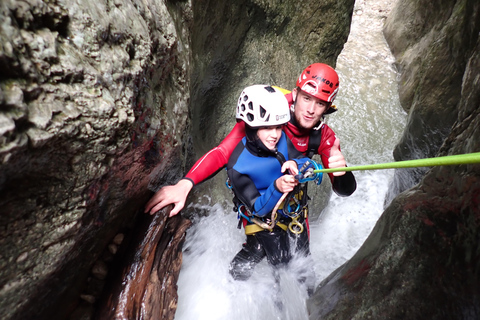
point(253, 228)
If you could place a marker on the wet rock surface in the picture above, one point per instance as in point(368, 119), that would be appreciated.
point(100, 102)
point(432, 44)
point(96, 99)
point(85, 87)
point(421, 260)
point(145, 287)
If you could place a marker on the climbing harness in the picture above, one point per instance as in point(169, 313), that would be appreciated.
point(294, 204)
point(258, 224)
point(254, 228)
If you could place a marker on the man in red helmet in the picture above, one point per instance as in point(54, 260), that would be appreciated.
point(309, 102)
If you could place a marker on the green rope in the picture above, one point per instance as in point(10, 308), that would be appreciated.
point(468, 158)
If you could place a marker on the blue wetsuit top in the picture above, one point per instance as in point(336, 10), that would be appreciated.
point(253, 171)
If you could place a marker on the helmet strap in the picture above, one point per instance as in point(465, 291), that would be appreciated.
point(320, 124)
point(292, 106)
point(251, 133)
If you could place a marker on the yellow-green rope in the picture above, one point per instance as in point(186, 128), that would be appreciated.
point(469, 158)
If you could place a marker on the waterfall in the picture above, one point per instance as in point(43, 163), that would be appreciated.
point(368, 123)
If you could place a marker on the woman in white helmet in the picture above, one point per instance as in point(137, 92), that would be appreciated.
point(261, 170)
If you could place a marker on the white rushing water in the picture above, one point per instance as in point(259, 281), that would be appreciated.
point(368, 123)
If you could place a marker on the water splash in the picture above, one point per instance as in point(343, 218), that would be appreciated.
point(206, 289)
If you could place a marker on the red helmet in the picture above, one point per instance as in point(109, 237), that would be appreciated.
point(319, 80)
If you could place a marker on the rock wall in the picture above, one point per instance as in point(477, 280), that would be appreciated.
point(432, 44)
point(421, 261)
point(96, 99)
point(93, 104)
point(145, 287)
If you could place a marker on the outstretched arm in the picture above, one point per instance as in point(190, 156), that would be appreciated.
point(206, 167)
point(217, 158)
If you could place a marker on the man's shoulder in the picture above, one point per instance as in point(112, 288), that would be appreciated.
point(326, 129)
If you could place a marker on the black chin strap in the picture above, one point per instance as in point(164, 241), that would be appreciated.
point(280, 157)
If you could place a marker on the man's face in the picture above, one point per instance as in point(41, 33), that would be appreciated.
point(308, 109)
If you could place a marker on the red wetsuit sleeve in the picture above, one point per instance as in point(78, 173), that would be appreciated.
point(217, 158)
point(342, 185)
point(328, 138)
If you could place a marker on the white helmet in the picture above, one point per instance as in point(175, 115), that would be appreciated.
point(262, 105)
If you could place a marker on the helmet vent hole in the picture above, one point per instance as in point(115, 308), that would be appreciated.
point(270, 89)
point(326, 91)
point(242, 107)
point(250, 117)
point(245, 98)
point(262, 112)
point(250, 105)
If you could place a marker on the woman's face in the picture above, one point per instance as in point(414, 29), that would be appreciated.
point(270, 136)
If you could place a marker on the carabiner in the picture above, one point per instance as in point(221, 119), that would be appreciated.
point(306, 172)
point(295, 227)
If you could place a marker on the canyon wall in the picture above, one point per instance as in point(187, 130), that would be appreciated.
point(102, 102)
point(93, 108)
point(422, 259)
